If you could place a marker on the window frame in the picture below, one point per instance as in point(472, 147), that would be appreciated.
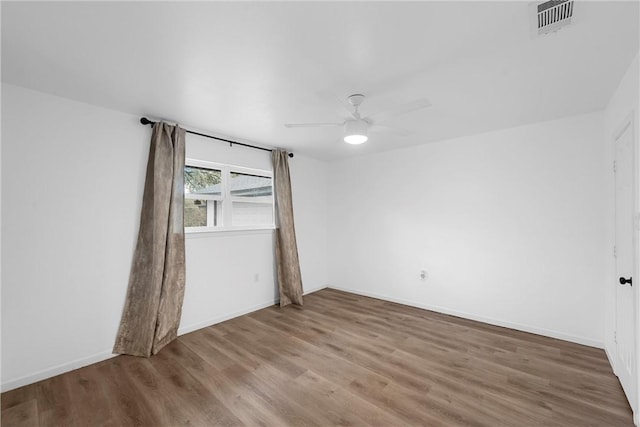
point(227, 200)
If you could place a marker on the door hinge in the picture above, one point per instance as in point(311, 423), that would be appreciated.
point(614, 166)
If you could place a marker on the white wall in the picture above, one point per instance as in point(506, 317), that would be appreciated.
point(72, 181)
point(623, 103)
point(508, 224)
point(71, 191)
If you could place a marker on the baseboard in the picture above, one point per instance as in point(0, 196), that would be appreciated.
point(611, 360)
point(56, 370)
point(218, 319)
point(225, 317)
point(470, 316)
point(107, 354)
point(312, 290)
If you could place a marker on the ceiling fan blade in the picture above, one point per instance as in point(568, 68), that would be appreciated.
point(311, 125)
point(383, 116)
point(391, 130)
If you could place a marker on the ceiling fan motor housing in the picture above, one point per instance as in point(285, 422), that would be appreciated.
point(356, 131)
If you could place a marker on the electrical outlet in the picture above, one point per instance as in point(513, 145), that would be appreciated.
point(424, 275)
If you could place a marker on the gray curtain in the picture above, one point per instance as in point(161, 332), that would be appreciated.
point(287, 264)
point(153, 307)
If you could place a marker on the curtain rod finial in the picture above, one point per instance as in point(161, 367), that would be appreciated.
point(291, 155)
point(146, 121)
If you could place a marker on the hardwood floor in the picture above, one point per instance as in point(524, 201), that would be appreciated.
point(342, 359)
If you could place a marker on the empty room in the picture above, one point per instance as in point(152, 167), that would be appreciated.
point(359, 213)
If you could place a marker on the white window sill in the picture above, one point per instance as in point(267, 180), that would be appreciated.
point(213, 232)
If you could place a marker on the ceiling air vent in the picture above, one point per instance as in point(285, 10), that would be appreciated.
point(551, 15)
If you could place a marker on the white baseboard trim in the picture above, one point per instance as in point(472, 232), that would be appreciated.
point(107, 354)
point(225, 317)
point(312, 290)
point(611, 360)
point(56, 370)
point(470, 316)
point(218, 319)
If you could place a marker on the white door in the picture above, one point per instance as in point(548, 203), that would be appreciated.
point(625, 284)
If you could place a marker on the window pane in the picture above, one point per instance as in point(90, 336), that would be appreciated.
point(195, 213)
point(202, 181)
point(202, 213)
point(243, 185)
point(206, 204)
point(252, 214)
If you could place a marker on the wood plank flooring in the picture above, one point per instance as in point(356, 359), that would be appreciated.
point(342, 359)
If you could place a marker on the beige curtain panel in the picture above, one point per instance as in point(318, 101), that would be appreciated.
point(287, 264)
point(153, 307)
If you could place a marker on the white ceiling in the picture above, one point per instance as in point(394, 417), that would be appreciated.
point(244, 69)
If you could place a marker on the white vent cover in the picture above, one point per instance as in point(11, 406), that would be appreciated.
point(550, 16)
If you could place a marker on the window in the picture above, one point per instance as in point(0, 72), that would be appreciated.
point(223, 197)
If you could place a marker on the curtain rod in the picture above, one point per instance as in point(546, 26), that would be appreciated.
point(146, 121)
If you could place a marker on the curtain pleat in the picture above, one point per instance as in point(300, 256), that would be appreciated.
point(153, 305)
point(286, 248)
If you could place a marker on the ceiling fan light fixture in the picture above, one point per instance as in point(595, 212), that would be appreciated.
point(355, 132)
point(356, 127)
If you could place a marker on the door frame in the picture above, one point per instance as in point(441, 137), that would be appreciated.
point(630, 122)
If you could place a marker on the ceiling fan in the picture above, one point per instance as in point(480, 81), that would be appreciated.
point(356, 128)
